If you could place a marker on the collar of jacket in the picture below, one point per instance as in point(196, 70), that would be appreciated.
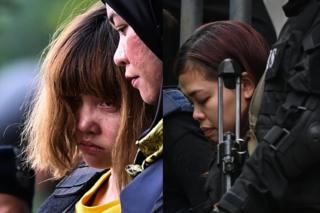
point(151, 147)
point(153, 141)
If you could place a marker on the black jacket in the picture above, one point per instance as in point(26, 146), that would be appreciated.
point(187, 155)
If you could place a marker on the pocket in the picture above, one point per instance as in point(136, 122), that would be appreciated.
point(275, 59)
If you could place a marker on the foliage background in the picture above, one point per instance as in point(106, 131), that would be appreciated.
point(26, 26)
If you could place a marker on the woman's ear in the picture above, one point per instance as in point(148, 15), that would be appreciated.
point(248, 85)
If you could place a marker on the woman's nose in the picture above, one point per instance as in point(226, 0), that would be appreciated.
point(120, 58)
point(85, 120)
point(198, 115)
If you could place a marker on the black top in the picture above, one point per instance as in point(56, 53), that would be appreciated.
point(187, 155)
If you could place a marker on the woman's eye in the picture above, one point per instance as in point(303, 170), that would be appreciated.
point(107, 105)
point(203, 101)
point(122, 29)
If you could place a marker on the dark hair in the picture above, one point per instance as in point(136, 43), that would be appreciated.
point(213, 42)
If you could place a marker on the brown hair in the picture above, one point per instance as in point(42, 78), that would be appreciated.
point(80, 61)
point(215, 41)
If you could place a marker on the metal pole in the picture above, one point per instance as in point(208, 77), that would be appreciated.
point(238, 107)
point(220, 110)
point(229, 77)
point(191, 17)
point(240, 10)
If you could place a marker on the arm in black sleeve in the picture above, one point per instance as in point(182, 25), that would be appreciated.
point(281, 174)
point(187, 157)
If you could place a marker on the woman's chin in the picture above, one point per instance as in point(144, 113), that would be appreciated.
point(98, 164)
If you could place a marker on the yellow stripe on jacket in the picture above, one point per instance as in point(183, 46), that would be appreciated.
point(111, 207)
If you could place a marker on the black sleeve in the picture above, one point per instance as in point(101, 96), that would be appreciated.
point(260, 182)
point(187, 155)
point(281, 174)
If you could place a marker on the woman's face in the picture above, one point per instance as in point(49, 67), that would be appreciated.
point(143, 67)
point(204, 96)
point(97, 128)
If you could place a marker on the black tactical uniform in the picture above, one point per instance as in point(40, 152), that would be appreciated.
point(283, 173)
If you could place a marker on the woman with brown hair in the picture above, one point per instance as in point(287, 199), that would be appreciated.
point(197, 68)
point(84, 111)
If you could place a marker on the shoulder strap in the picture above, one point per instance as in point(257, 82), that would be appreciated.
point(76, 180)
point(254, 109)
point(70, 189)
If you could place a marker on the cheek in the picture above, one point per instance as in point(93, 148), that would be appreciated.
point(135, 50)
point(146, 64)
point(111, 127)
point(153, 71)
point(212, 110)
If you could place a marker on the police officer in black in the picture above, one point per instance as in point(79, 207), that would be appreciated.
point(282, 175)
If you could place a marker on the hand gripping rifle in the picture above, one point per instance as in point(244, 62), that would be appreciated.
point(231, 149)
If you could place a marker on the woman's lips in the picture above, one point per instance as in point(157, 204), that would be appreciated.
point(208, 131)
point(133, 80)
point(89, 148)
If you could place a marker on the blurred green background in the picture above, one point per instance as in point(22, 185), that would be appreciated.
point(26, 27)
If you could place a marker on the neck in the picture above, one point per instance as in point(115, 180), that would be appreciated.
point(108, 191)
point(112, 189)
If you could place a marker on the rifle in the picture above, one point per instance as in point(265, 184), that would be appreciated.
point(231, 148)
